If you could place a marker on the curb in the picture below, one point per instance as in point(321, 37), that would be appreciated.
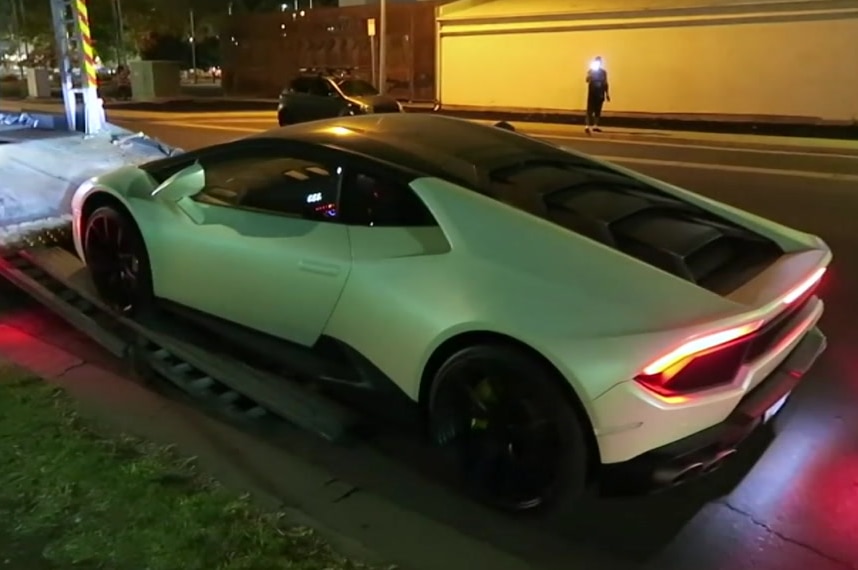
point(724, 127)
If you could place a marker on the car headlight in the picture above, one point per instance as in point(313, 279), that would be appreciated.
point(358, 108)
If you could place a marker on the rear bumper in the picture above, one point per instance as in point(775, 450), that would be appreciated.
point(704, 451)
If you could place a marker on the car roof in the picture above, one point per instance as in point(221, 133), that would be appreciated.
point(435, 145)
point(332, 73)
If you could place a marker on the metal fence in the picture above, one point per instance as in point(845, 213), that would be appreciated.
point(261, 52)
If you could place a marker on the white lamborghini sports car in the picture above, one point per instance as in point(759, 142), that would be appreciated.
point(552, 317)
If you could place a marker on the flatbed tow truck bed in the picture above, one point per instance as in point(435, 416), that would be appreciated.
point(59, 280)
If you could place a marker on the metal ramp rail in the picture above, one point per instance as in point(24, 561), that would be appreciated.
point(58, 280)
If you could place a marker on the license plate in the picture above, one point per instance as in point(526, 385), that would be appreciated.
point(771, 412)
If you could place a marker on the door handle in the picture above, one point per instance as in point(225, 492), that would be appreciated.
point(320, 267)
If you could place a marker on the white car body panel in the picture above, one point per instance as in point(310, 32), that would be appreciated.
point(567, 297)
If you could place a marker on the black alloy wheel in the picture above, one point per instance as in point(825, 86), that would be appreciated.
point(517, 441)
point(117, 261)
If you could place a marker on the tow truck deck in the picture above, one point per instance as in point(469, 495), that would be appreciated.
point(57, 279)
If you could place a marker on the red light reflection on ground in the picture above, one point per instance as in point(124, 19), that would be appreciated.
point(835, 479)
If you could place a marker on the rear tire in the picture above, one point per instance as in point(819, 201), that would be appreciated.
point(118, 262)
point(517, 442)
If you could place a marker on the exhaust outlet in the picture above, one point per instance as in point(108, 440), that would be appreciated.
point(676, 475)
point(689, 472)
point(718, 461)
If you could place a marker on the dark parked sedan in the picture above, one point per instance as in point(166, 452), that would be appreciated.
point(320, 96)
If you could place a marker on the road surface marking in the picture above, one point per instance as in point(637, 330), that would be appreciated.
point(202, 126)
point(617, 159)
point(128, 114)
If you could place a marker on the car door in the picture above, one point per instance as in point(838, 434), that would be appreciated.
point(326, 100)
point(399, 260)
point(298, 100)
point(265, 248)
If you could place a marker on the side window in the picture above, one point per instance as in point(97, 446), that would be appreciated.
point(371, 200)
point(274, 183)
point(321, 88)
point(300, 85)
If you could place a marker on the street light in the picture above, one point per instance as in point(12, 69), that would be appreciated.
point(193, 41)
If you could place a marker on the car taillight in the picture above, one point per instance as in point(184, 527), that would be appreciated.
point(804, 286)
point(699, 363)
point(715, 358)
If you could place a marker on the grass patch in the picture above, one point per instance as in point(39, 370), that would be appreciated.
point(74, 496)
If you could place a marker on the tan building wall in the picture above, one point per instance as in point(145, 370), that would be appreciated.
point(800, 62)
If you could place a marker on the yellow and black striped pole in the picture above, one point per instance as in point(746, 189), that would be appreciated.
point(92, 104)
point(90, 76)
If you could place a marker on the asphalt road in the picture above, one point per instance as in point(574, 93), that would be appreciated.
point(788, 502)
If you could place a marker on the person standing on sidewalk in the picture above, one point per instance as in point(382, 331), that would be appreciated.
point(597, 94)
point(123, 83)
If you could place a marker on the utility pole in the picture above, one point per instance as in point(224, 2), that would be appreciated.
point(17, 34)
point(382, 47)
point(120, 32)
point(22, 15)
point(74, 49)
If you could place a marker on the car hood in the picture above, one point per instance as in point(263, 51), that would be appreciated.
point(376, 101)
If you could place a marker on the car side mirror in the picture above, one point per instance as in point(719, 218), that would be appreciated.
point(185, 183)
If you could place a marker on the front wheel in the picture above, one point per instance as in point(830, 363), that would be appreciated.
point(283, 118)
point(517, 440)
point(117, 261)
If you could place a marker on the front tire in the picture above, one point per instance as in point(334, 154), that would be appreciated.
point(516, 439)
point(118, 262)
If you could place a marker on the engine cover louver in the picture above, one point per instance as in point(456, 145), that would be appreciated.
point(679, 239)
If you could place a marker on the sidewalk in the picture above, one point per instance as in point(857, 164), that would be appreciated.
point(40, 169)
point(676, 138)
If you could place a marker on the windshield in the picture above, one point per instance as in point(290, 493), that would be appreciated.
point(356, 88)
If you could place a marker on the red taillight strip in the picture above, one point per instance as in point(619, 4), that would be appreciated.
point(700, 344)
point(804, 286)
point(703, 344)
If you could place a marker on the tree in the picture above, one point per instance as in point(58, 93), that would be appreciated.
point(35, 27)
point(145, 23)
point(25, 30)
